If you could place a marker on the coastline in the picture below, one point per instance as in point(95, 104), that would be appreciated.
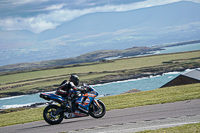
point(58, 63)
point(116, 75)
point(111, 78)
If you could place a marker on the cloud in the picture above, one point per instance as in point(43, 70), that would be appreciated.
point(22, 2)
point(55, 7)
point(50, 15)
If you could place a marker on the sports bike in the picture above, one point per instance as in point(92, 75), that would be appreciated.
point(82, 104)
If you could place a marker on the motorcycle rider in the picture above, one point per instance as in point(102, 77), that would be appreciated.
point(64, 90)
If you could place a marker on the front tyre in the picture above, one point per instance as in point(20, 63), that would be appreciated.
point(97, 111)
point(50, 115)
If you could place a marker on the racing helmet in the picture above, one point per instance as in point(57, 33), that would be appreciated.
point(74, 79)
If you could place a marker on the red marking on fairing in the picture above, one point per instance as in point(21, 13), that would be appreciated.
point(69, 94)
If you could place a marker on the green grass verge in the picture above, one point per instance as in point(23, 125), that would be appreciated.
point(157, 96)
point(188, 128)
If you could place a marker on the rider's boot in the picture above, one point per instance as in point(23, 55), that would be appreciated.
point(70, 105)
point(65, 104)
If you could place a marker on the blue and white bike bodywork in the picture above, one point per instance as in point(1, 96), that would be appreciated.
point(83, 104)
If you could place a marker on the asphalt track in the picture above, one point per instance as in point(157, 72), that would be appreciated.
point(130, 117)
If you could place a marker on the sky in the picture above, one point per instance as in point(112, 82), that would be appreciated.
point(40, 15)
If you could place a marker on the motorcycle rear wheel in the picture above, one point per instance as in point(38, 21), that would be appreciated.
point(96, 111)
point(50, 115)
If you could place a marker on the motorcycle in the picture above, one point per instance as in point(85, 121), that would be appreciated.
point(82, 104)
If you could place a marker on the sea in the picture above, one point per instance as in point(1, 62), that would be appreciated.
point(112, 88)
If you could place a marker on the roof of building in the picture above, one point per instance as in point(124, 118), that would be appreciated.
point(189, 77)
point(195, 74)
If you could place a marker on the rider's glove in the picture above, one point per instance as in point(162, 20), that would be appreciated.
point(83, 90)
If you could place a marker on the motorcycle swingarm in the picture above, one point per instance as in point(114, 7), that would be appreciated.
point(59, 110)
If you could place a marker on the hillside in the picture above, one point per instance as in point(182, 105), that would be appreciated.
point(101, 55)
point(89, 57)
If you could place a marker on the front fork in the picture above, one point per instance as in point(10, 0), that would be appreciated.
point(96, 103)
point(97, 106)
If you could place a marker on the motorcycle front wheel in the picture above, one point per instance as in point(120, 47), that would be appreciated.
point(97, 111)
point(50, 115)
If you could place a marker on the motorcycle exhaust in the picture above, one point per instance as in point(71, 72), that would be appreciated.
point(44, 97)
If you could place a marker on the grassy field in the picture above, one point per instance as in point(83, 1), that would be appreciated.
point(122, 64)
point(116, 65)
point(157, 96)
point(96, 71)
point(188, 128)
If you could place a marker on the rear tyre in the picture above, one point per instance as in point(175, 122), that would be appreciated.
point(97, 111)
point(50, 115)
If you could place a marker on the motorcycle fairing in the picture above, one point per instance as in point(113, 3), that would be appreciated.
point(85, 100)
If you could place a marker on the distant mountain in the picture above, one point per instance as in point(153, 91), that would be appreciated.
point(138, 22)
point(176, 22)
